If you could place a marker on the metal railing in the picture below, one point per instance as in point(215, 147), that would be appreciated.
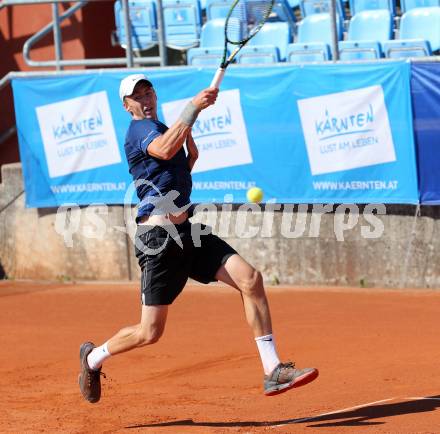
point(59, 63)
point(334, 21)
point(55, 26)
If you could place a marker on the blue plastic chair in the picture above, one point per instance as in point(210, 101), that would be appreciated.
point(217, 8)
point(308, 52)
point(407, 5)
point(182, 20)
point(143, 24)
point(199, 56)
point(419, 34)
point(317, 28)
point(374, 25)
point(359, 50)
point(212, 40)
point(258, 54)
point(311, 7)
point(268, 45)
point(213, 33)
point(407, 48)
point(314, 39)
point(283, 11)
point(357, 6)
point(366, 31)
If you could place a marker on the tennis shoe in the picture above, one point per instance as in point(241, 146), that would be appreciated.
point(285, 376)
point(89, 379)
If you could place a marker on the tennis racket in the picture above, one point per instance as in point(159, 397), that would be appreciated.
point(243, 21)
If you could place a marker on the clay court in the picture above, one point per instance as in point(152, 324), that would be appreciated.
point(377, 351)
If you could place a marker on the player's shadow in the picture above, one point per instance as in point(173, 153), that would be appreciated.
point(364, 416)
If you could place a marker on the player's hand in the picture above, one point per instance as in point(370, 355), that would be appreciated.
point(205, 98)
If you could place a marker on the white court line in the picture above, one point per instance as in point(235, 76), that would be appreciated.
point(309, 419)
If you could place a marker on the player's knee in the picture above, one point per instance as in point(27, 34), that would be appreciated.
point(252, 283)
point(148, 337)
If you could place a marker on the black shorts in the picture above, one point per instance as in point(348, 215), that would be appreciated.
point(169, 256)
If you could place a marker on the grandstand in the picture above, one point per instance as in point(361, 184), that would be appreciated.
point(179, 24)
point(363, 29)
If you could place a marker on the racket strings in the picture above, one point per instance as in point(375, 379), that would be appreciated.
point(246, 18)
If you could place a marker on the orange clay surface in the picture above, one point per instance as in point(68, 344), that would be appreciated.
point(378, 353)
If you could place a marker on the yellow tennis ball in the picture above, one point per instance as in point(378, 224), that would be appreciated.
point(254, 195)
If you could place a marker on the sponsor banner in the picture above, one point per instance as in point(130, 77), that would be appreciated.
point(311, 134)
point(346, 130)
point(425, 90)
point(320, 134)
point(71, 136)
point(78, 134)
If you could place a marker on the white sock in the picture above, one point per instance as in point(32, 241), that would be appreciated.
point(268, 353)
point(97, 356)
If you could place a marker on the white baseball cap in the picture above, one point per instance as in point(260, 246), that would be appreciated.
point(128, 83)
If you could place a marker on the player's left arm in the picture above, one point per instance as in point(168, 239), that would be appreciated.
point(193, 152)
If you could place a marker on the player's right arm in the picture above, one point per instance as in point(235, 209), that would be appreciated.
point(168, 144)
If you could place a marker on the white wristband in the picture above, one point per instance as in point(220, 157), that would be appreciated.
point(189, 114)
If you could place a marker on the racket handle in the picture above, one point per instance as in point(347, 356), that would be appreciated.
point(218, 77)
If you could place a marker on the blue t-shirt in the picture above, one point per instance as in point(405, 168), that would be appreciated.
point(155, 178)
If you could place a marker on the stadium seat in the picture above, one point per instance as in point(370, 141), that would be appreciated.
point(366, 31)
point(143, 24)
point(212, 40)
point(359, 50)
point(217, 8)
point(314, 39)
point(199, 56)
point(268, 45)
point(311, 52)
point(407, 48)
point(419, 34)
point(182, 23)
point(283, 11)
point(213, 33)
point(316, 28)
point(407, 5)
point(311, 7)
point(357, 6)
point(258, 54)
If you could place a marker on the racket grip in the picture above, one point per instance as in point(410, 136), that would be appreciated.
point(218, 77)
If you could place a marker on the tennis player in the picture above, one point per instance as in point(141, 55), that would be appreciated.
point(170, 249)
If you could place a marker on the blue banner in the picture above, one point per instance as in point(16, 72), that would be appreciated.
point(311, 134)
point(425, 89)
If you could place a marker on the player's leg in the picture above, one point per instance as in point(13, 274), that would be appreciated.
point(214, 259)
point(164, 275)
point(279, 377)
point(148, 331)
point(237, 273)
